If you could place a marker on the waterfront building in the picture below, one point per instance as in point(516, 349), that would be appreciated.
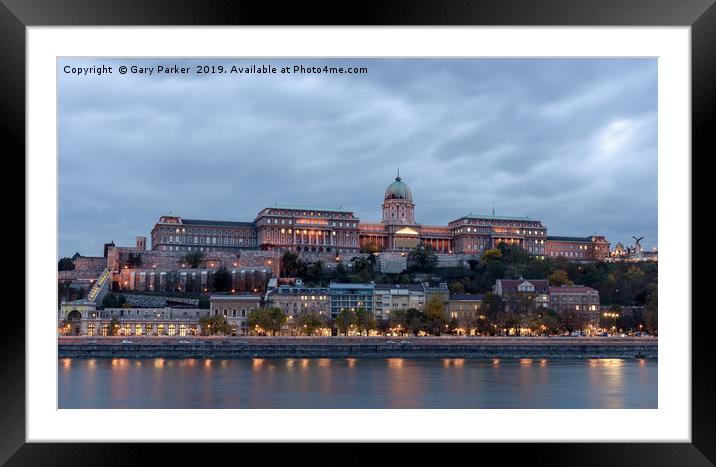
point(389, 297)
point(510, 291)
point(580, 299)
point(465, 310)
point(296, 300)
point(235, 308)
point(350, 297)
point(154, 321)
point(578, 249)
point(465, 306)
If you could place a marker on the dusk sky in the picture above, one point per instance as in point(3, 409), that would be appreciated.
point(570, 142)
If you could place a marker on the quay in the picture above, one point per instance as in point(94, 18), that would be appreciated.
point(358, 347)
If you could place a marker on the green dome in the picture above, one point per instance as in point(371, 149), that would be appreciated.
point(398, 190)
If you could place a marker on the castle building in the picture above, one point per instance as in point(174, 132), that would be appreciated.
point(312, 229)
point(578, 249)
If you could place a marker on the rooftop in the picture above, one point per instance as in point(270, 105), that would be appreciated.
point(217, 223)
point(337, 285)
point(573, 289)
point(471, 297)
point(569, 239)
point(502, 218)
point(307, 208)
point(419, 287)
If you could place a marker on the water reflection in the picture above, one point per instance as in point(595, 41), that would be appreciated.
point(357, 383)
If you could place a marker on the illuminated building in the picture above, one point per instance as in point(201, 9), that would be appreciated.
point(337, 231)
point(578, 249)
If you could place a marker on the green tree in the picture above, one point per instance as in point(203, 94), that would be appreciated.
point(113, 327)
point(310, 323)
point(214, 325)
point(491, 255)
point(651, 317)
point(221, 280)
point(435, 315)
point(370, 248)
point(457, 288)
point(423, 258)
point(113, 300)
point(193, 259)
point(365, 321)
point(277, 319)
point(345, 319)
point(65, 264)
point(204, 303)
point(268, 320)
point(383, 326)
point(559, 278)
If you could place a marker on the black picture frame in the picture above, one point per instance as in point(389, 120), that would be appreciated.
point(700, 15)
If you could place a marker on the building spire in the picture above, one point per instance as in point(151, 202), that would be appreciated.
point(398, 177)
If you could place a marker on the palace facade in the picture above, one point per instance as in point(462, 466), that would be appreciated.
point(340, 231)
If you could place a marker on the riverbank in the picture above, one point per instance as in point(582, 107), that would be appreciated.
point(358, 347)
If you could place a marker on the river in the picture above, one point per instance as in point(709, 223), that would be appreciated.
point(357, 383)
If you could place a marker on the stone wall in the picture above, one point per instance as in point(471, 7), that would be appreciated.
point(90, 263)
point(392, 263)
point(169, 260)
point(188, 280)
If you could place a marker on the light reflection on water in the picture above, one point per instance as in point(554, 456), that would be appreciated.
point(356, 383)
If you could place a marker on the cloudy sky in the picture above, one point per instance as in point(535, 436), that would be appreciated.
point(571, 142)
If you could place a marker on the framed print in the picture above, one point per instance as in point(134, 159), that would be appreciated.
point(293, 225)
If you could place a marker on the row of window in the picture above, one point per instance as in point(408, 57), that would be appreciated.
point(310, 213)
point(247, 232)
point(271, 220)
point(144, 329)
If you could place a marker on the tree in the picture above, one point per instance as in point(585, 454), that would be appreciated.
point(310, 322)
point(193, 259)
point(435, 315)
point(276, 320)
point(559, 278)
point(345, 319)
point(572, 320)
point(370, 248)
point(491, 255)
point(113, 327)
point(204, 303)
point(214, 325)
point(221, 280)
point(365, 321)
point(113, 300)
point(65, 264)
point(424, 258)
point(289, 264)
point(266, 320)
point(383, 326)
point(457, 288)
point(651, 317)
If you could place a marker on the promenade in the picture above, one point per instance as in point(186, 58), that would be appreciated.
point(357, 347)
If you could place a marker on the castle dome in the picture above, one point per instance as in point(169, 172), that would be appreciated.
point(398, 190)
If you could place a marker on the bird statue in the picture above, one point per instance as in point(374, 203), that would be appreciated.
point(637, 239)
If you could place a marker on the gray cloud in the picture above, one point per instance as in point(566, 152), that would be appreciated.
point(571, 142)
